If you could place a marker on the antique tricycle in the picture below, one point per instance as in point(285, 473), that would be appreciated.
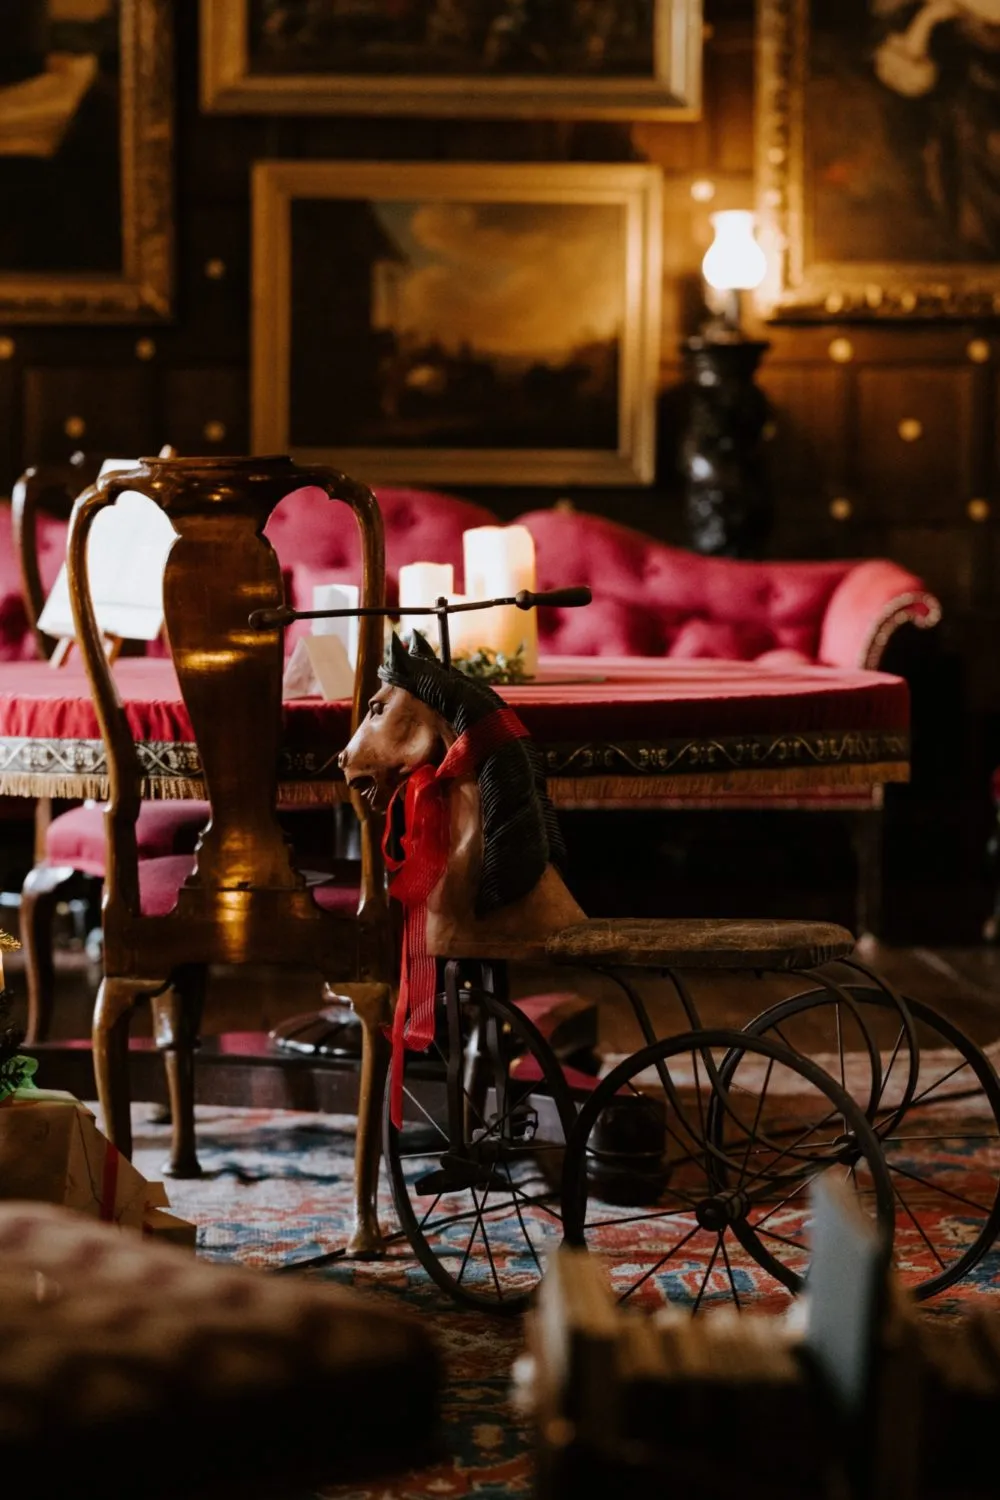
point(687, 1163)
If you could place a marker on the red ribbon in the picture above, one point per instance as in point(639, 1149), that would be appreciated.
point(426, 844)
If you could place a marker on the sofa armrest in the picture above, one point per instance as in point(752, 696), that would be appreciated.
point(869, 604)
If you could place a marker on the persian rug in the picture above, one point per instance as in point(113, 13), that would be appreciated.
point(277, 1191)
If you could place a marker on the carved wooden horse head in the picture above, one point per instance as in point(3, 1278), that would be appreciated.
point(501, 893)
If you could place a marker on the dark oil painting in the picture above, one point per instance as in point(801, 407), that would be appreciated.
point(454, 324)
point(454, 38)
point(60, 153)
point(902, 131)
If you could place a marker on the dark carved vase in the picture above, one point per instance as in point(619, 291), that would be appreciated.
point(727, 500)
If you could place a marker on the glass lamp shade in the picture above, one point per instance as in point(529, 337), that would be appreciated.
point(734, 261)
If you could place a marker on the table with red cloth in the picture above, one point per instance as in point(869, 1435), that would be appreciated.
point(612, 732)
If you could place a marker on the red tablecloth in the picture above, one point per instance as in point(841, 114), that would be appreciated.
point(592, 717)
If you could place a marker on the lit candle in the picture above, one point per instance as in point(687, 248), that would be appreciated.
point(499, 562)
point(338, 596)
point(423, 583)
point(465, 631)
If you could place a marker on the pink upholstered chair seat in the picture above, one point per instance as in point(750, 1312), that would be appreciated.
point(76, 837)
point(160, 881)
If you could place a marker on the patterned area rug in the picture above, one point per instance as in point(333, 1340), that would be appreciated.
point(277, 1189)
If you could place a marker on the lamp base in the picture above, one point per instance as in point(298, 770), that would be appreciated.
point(727, 499)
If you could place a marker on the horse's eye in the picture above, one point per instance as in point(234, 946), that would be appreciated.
point(375, 708)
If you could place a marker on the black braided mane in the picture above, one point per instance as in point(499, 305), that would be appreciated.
point(520, 832)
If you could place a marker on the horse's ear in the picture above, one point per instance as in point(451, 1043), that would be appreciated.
point(398, 655)
point(421, 646)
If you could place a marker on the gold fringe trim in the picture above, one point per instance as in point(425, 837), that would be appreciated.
point(565, 791)
point(626, 791)
point(160, 789)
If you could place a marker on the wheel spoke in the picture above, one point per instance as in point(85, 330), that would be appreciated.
point(938, 1081)
point(787, 1199)
point(475, 1226)
point(892, 1064)
point(936, 1187)
point(729, 1271)
point(665, 1213)
point(427, 1215)
point(705, 1279)
point(918, 1226)
point(756, 1121)
point(520, 1219)
point(489, 1252)
point(661, 1262)
point(773, 1235)
point(430, 1120)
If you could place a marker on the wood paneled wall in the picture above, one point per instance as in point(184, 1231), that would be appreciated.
point(884, 440)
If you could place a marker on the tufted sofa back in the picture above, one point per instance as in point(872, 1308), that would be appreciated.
point(655, 600)
point(316, 547)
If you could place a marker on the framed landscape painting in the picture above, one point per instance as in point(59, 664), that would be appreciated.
point(610, 59)
point(877, 162)
point(85, 160)
point(443, 323)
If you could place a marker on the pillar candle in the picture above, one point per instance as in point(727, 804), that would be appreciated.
point(466, 632)
point(423, 583)
point(500, 561)
point(338, 596)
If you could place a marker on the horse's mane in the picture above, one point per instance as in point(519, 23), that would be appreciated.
point(520, 832)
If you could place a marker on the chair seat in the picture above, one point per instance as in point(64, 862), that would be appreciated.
point(161, 879)
point(699, 943)
point(76, 837)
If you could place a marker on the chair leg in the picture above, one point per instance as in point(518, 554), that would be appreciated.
point(116, 1000)
point(371, 1002)
point(38, 905)
point(867, 831)
point(176, 1024)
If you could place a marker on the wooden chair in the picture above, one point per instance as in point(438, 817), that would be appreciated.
point(240, 900)
point(44, 489)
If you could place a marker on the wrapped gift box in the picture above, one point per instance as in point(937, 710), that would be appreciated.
point(51, 1151)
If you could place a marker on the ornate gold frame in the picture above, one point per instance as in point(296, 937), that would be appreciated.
point(636, 188)
point(228, 86)
point(838, 290)
point(142, 291)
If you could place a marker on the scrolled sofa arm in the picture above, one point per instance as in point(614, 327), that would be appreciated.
point(867, 607)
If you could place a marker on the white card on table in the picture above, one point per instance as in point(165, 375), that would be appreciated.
point(318, 668)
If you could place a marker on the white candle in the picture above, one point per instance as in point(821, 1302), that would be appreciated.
point(465, 631)
point(338, 596)
point(500, 561)
point(423, 583)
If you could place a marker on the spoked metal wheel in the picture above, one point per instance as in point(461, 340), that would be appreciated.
point(477, 1166)
point(694, 1184)
point(936, 1113)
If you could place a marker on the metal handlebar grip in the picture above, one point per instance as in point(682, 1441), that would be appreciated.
point(562, 598)
point(271, 619)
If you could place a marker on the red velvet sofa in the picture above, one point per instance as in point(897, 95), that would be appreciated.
point(649, 599)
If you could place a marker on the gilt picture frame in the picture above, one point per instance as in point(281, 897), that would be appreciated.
point(622, 59)
point(444, 323)
point(877, 193)
point(86, 154)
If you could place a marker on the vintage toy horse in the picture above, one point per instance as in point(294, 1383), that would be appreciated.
point(527, 1149)
point(500, 894)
